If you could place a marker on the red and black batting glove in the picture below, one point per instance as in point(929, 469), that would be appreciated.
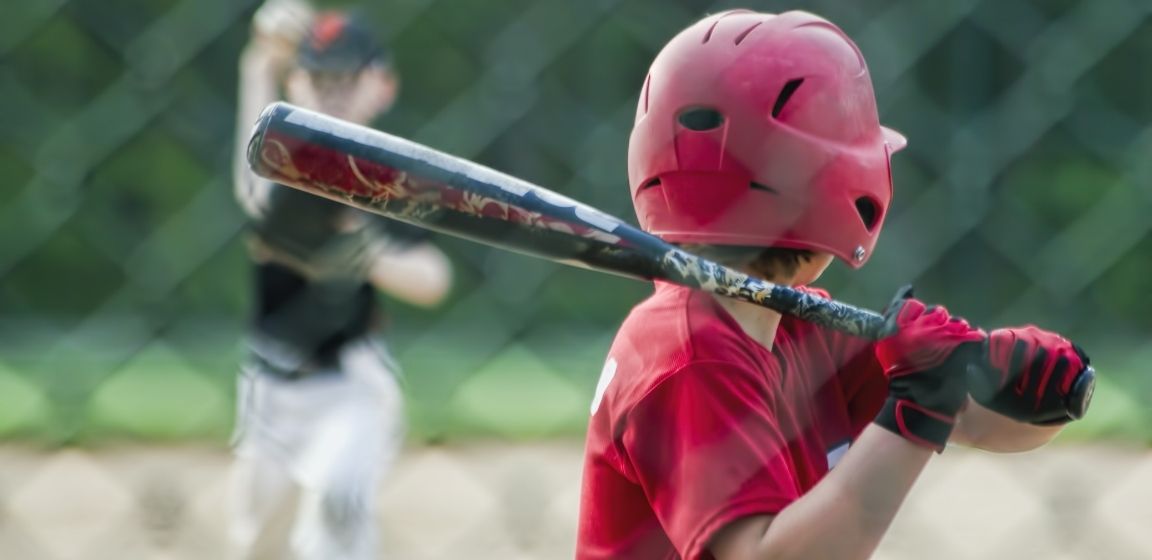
point(1032, 375)
point(926, 361)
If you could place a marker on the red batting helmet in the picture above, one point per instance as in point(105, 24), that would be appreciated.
point(761, 130)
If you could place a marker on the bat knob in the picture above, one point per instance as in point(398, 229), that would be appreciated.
point(1080, 396)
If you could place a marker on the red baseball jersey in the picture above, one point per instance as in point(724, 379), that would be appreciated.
point(695, 424)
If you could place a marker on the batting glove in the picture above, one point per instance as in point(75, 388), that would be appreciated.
point(1030, 376)
point(925, 360)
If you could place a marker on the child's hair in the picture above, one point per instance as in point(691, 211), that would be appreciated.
point(771, 263)
point(778, 263)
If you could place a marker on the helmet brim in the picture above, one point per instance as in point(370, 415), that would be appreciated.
point(894, 140)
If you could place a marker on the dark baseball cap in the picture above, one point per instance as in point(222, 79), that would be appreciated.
point(340, 41)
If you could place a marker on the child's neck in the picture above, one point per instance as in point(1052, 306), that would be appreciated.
point(758, 322)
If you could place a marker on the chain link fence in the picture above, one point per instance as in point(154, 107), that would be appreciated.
point(1024, 196)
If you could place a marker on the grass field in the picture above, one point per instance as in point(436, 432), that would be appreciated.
point(168, 392)
point(526, 390)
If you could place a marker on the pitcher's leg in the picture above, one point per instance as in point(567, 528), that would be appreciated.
point(264, 501)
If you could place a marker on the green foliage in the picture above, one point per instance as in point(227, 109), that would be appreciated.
point(64, 64)
point(1021, 198)
point(36, 285)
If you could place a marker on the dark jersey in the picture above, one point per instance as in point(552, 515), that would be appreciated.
point(313, 257)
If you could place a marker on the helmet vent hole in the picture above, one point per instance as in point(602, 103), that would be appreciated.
point(869, 212)
point(654, 182)
point(743, 34)
point(701, 119)
point(708, 35)
point(763, 187)
point(647, 88)
point(785, 94)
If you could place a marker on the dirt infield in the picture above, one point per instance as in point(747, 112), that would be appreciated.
point(519, 501)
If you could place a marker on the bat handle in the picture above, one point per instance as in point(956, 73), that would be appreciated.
point(691, 270)
point(872, 325)
point(833, 314)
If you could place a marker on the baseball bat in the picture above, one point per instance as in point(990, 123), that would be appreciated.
point(412, 183)
point(400, 179)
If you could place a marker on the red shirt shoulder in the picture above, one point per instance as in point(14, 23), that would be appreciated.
point(694, 425)
point(673, 328)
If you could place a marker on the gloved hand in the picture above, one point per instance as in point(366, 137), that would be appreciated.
point(926, 361)
point(1028, 374)
point(278, 26)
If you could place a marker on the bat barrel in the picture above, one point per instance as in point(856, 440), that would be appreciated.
point(406, 181)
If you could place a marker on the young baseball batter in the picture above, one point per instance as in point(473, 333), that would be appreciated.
point(320, 416)
point(723, 430)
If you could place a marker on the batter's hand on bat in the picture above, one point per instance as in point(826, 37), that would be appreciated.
point(926, 360)
point(1032, 375)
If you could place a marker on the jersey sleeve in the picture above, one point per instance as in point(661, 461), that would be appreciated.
point(706, 448)
point(861, 376)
